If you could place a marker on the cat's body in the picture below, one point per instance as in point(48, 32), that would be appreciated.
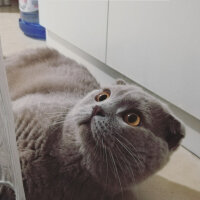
point(74, 144)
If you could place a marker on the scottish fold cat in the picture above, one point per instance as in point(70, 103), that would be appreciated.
point(79, 141)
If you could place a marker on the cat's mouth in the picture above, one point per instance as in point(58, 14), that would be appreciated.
point(88, 119)
point(85, 121)
point(98, 127)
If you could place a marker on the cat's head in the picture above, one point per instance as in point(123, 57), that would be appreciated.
point(125, 134)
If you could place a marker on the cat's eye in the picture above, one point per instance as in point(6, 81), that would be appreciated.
point(102, 96)
point(132, 119)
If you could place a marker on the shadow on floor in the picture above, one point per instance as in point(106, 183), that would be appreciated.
point(13, 8)
point(155, 188)
point(159, 188)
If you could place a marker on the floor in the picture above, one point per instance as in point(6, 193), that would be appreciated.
point(179, 180)
point(12, 38)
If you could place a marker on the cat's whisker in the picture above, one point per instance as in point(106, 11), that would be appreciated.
point(135, 150)
point(115, 169)
point(56, 123)
point(95, 152)
point(126, 162)
point(129, 143)
point(55, 113)
point(130, 153)
point(106, 164)
point(82, 116)
point(133, 156)
point(55, 105)
point(120, 165)
point(53, 119)
point(103, 147)
point(56, 108)
point(105, 160)
point(60, 116)
point(137, 156)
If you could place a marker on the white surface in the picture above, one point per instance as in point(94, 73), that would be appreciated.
point(10, 171)
point(93, 65)
point(157, 44)
point(83, 23)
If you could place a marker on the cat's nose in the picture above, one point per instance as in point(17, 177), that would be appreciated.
point(97, 110)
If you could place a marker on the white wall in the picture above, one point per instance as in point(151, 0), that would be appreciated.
point(83, 23)
point(157, 44)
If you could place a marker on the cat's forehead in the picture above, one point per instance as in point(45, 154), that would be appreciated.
point(133, 95)
point(127, 91)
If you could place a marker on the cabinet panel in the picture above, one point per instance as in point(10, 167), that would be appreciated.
point(157, 44)
point(82, 23)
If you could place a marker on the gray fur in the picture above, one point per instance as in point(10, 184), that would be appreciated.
point(67, 151)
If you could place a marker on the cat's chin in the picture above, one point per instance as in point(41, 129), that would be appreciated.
point(91, 133)
point(85, 122)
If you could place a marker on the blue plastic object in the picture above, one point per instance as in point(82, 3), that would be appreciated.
point(33, 30)
point(29, 19)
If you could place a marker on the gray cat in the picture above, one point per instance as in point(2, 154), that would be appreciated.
point(78, 141)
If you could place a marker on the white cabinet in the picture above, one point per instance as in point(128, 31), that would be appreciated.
point(157, 44)
point(83, 23)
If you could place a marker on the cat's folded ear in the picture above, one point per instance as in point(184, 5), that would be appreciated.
point(176, 131)
point(120, 82)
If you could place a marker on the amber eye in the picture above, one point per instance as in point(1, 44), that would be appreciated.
point(102, 96)
point(132, 119)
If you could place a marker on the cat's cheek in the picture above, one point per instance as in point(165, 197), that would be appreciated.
point(78, 139)
point(84, 137)
point(81, 133)
point(157, 155)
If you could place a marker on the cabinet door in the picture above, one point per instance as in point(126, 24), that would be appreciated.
point(82, 23)
point(10, 170)
point(157, 44)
